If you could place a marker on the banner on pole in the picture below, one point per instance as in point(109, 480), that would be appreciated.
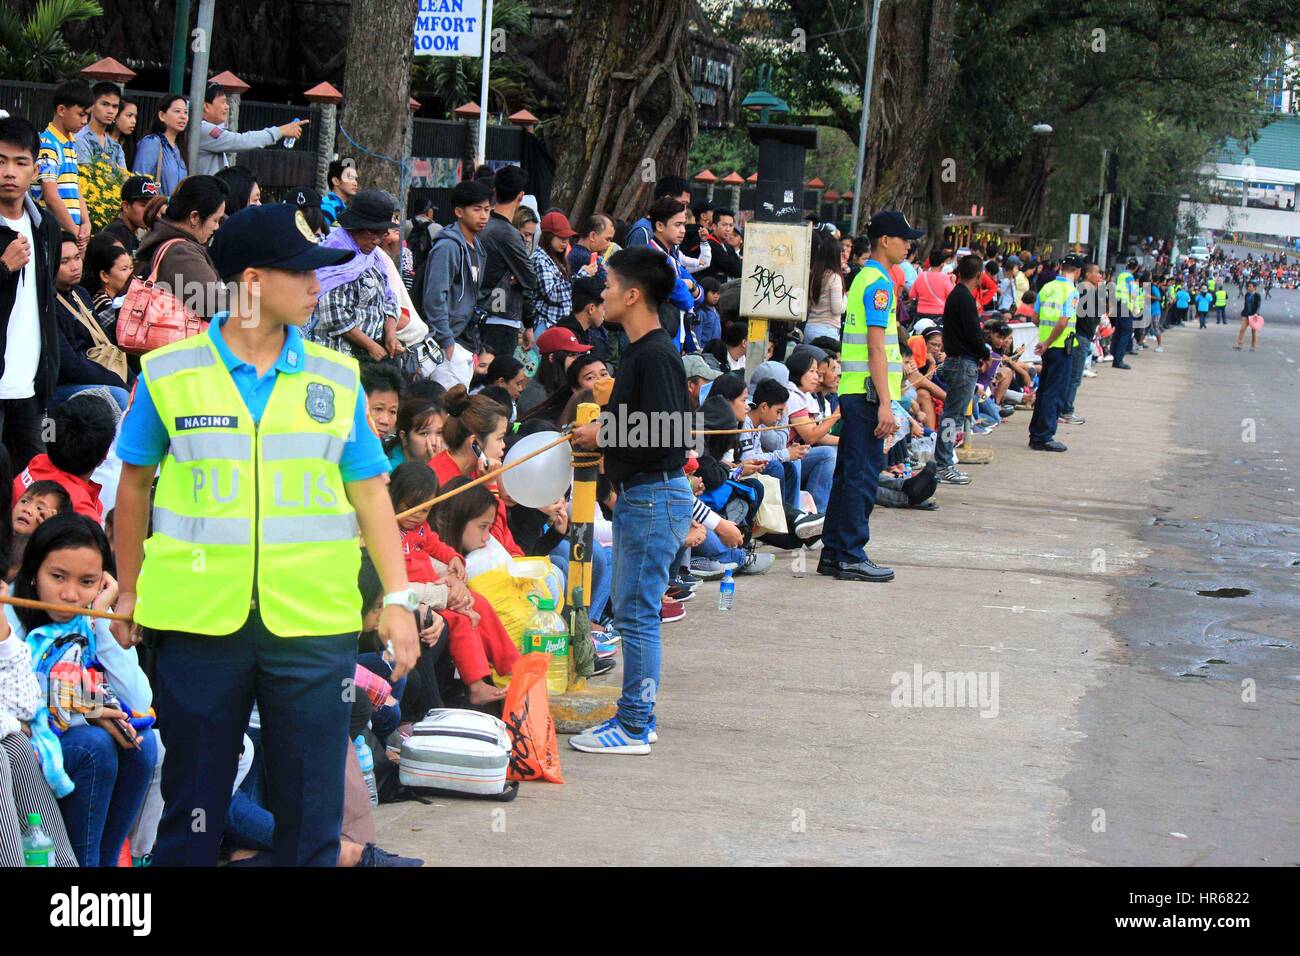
point(1078, 228)
point(449, 28)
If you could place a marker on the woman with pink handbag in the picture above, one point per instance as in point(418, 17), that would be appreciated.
point(1250, 317)
point(176, 287)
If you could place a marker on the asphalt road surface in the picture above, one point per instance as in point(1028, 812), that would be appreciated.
point(1117, 715)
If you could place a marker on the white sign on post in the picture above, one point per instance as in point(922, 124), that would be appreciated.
point(1079, 228)
point(449, 28)
point(774, 282)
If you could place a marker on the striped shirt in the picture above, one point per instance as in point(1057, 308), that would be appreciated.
point(57, 163)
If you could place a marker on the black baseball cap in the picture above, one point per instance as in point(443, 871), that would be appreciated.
point(1073, 261)
point(140, 187)
point(305, 197)
point(273, 236)
point(891, 222)
point(370, 209)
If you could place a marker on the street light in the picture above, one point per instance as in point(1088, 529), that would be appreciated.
point(1042, 129)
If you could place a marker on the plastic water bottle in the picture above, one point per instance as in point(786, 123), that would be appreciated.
point(367, 760)
point(38, 848)
point(548, 633)
point(726, 592)
point(289, 141)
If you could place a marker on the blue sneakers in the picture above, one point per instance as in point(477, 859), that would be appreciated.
point(610, 737)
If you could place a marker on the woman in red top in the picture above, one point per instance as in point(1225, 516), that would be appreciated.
point(475, 436)
point(931, 288)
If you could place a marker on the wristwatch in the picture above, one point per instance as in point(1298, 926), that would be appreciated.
point(406, 599)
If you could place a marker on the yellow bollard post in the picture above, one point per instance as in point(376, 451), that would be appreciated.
point(583, 706)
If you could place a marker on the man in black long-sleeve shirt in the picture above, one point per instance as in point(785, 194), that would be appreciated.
point(963, 343)
point(644, 432)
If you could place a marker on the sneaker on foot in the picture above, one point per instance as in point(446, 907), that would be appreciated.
point(611, 737)
point(951, 476)
point(671, 611)
point(708, 569)
point(1089, 373)
point(650, 734)
point(685, 580)
point(680, 595)
point(1072, 420)
point(373, 856)
point(808, 526)
point(603, 666)
point(1159, 348)
point(756, 563)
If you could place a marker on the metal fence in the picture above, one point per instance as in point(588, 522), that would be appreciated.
point(280, 169)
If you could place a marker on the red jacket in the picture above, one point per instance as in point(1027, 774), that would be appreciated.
point(84, 492)
point(988, 290)
point(422, 547)
point(445, 467)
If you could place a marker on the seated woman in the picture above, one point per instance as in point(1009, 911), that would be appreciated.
point(23, 789)
point(474, 435)
point(507, 372)
point(87, 359)
point(106, 274)
point(418, 434)
point(818, 465)
point(99, 766)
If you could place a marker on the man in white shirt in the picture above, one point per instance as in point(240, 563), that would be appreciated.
point(29, 243)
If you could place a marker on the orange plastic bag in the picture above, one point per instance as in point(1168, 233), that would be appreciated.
point(534, 751)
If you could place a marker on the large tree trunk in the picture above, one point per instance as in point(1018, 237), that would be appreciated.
point(914, 79)
point(376, 89)
point(629, 117)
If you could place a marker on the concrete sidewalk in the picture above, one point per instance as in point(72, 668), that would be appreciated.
point(779, 743)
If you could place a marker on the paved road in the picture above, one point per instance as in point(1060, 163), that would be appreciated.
point(1117, 738)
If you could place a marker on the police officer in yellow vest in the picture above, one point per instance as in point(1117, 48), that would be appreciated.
point(247, 585)
point(871, 377)
point(1057, 308)
point(1220, 304)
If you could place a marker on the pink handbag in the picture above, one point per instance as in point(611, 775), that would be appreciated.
point(152, 316)
point(1256, 322)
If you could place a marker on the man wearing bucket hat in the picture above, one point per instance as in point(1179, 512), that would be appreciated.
point(249, 590)
point(871, 378)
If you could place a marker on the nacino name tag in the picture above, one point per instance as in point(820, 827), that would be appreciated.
point(188, 422)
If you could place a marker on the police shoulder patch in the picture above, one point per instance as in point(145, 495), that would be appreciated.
point(320, 402)
point(881, 299)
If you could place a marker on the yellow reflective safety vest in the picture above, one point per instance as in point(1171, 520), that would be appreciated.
point(1220, 296)
point(1125, 298)
point(855, 367)
point(244, 512)
point(1052, 301)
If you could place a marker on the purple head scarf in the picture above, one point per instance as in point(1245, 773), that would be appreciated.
point(331, 277)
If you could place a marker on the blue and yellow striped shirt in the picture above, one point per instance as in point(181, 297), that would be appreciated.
point(57, 163)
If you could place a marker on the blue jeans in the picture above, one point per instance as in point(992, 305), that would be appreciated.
point(205, 687)
point(64, 392)
point(1053, 384)
point(816, 472)
point(987, 411)
point(1202, 316)
point(1078, 362)
point(959, 376)
point(600, 574)
point(713, 548)
point(651, 521)
point(857, 476)
point(248, 823)
point(111, 783)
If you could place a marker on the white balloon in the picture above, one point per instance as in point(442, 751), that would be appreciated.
point(542, 480)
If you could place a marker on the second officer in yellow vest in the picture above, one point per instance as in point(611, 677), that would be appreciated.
point(871, 379)
point(1057, 308)
point(247, 583)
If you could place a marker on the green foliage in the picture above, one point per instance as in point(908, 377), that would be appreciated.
point(722, 151)
point(35, 49)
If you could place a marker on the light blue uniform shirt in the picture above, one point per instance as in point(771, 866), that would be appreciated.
point(144, 438)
